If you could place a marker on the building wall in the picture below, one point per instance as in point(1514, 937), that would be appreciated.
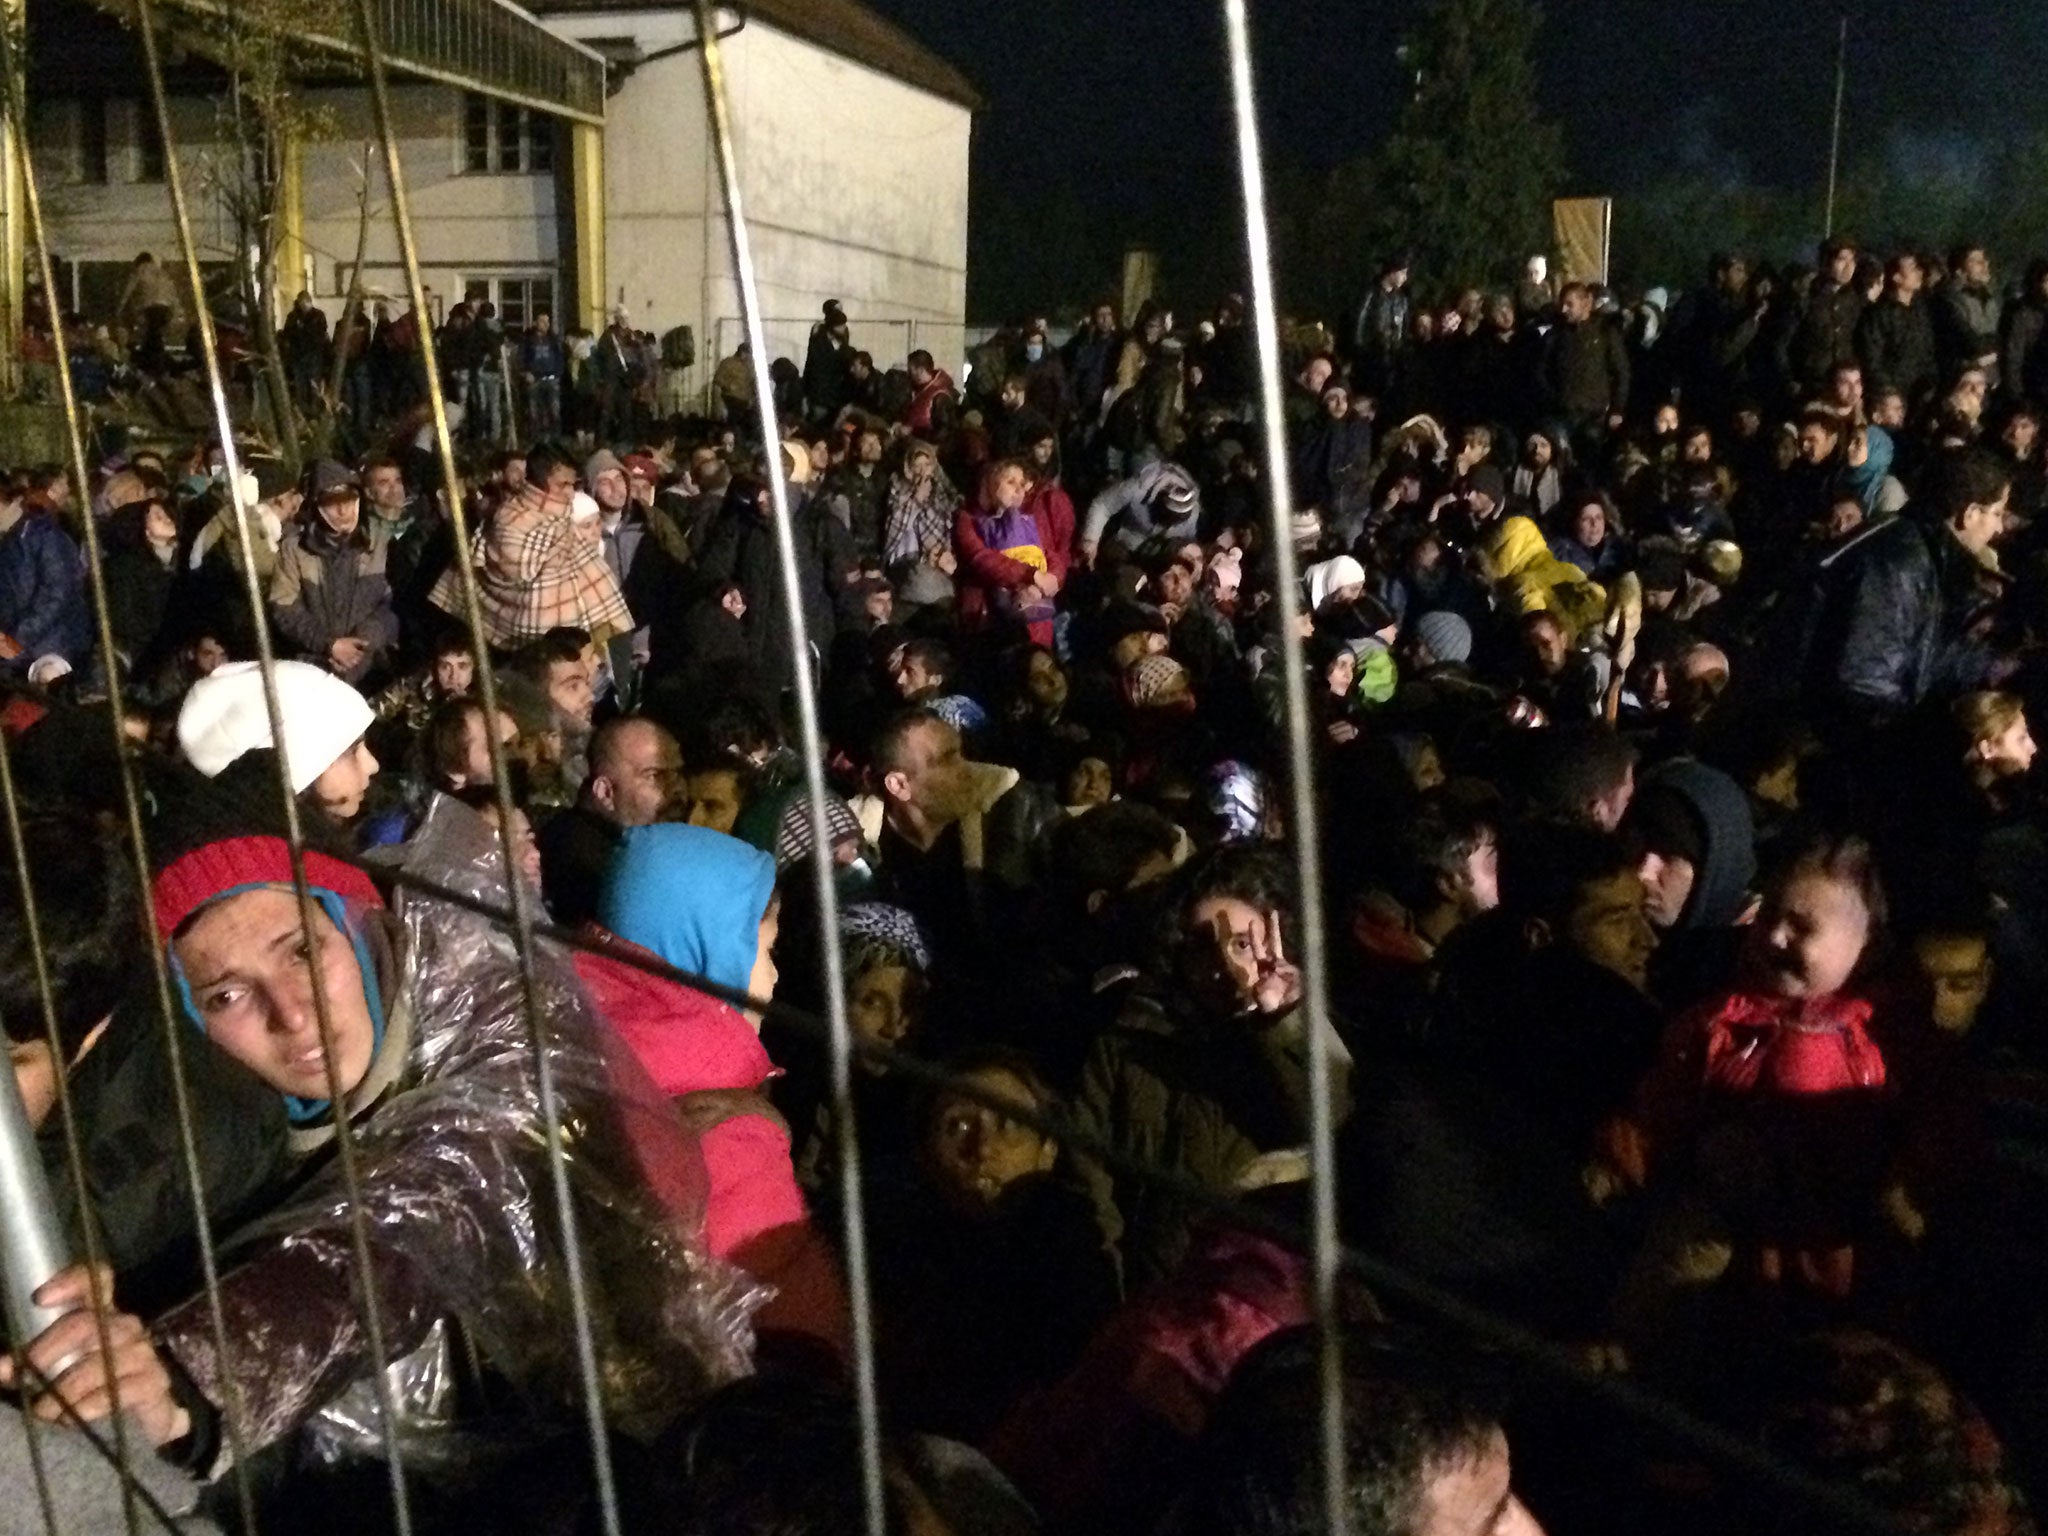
point(855, 188)
point(466, 224)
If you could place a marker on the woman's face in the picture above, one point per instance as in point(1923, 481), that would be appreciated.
point(1667, 420)
point(251, 973)
point(158, 526)
point(341, 788)
point(2011, 751)
point(1341, 674)
point(1011, 486)
point(974, 1152)
point(1589, 525)
point(885, 1004)
point(1045, 682)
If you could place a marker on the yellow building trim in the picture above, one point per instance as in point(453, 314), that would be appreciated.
point(586, 191)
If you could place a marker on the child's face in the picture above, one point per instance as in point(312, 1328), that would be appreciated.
point(1610, 926)
point(1810, 936)
point(885, 1004)
point(1089, 783)
point(1958, 971)
point(974, 1153)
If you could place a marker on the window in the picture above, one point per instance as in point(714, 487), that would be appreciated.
point(92, 141)
point(149, 144)
point(500, 138)
point(518, 298)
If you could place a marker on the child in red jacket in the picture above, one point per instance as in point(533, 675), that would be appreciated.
point(1775, 1088)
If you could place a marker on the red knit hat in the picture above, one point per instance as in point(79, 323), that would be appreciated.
point(192, 880)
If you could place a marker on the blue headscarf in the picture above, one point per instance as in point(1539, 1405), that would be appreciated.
point(1864, 481)
point(693, 896)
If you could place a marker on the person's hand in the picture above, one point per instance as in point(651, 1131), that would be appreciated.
point(946, 562)
point(9, 647)
point(1256, 965)
point(347, 653)
point(1614, 420)
point(68, 1356)
point(1047, 583)
point(1342, 731)
point(1084, 554)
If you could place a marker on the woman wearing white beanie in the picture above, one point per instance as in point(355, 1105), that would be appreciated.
point(225, 716)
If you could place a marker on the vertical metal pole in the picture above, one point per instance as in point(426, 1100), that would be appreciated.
point(718, 104)
point(1301, 746)
point(1835, 138)
point(16, 108)
point(501, 780)
point(344, 1140)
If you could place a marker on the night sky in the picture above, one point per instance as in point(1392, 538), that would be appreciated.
point(1110, 114)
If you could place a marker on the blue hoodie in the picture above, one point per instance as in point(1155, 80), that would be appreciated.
point(693, 896)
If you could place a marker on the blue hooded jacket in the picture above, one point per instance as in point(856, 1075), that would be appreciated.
point(693, 896)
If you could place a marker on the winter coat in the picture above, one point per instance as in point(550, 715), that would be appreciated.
point(139, 587)
point(1882, 627)
point(825, 381)
point(651, 556)
point(1586, 370)
point(1897, 345)
point(1200, 1097)
point(42, 592)
point(1826, 334)
point(742, 548)
point(327, 587)
point(918, 414)
point(1531, 579)
point(1140, 502)
point(1966, 321)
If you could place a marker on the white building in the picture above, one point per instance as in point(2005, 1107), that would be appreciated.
point(594, 188)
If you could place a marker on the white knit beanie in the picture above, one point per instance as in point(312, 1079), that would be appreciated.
point(224, 716)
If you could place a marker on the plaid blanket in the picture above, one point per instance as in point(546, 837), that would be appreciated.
point(533, 575)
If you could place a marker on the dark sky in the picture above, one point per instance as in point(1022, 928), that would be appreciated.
point(1111, 113)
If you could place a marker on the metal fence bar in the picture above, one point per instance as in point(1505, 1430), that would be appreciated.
point(17, 110)
point(1301, 746)
point(718, 105)
point(501, 782)
point(344, 1139)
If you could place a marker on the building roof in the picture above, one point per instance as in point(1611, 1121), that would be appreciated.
point(844, 27)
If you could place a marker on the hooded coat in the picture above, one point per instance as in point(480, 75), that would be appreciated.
point(1534, 580)
point(694, 899)
point(327, 586)
point(1697, 954)
point(42, 592)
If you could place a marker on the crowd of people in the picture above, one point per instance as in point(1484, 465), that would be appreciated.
point(1670, 669)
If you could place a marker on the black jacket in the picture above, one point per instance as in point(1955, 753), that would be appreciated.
point(1884, 625)
point(1827, 333)
point(1585, 370)
point(1897, 344)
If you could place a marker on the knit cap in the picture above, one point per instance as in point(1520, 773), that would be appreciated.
point(600, 461)
point(1154, 680)
point(218, 834)
point(225, 715)
point(1448, 636)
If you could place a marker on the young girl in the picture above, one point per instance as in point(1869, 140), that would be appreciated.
point(1775, 1088)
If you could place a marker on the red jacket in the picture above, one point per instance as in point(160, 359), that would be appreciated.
point(692, 1044)
point(918, 414)
point(1054, 509)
